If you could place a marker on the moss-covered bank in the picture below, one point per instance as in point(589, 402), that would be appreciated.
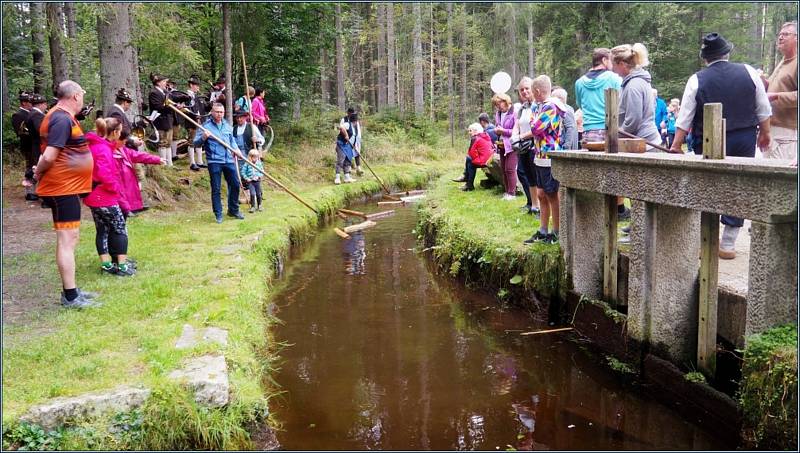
point(191, 271)
point(480, 236)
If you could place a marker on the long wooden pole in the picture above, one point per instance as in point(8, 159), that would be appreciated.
point(621, 132)
point(383, 184)
point(229, 148)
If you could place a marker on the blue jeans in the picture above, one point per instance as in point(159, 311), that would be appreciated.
point(469, 172)
point(738, 143)
point(215, 171)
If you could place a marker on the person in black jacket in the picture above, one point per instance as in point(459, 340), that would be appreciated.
point(18, 122)
point(32, 123)
point(122, 104)
point(197, 111)
point(164, 120)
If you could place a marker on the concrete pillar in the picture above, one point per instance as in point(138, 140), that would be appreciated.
point(662, 279)
point(772, 286)
point(581, 238)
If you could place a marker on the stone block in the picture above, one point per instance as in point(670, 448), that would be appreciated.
point(581, 238)
point(207, 376)
point(191, 337)
point(662, 280)
point(758, 189)
point(59, 411)
point(772, 293)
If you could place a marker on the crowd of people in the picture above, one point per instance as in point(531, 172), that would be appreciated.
point(65, 167)
point(760, 113)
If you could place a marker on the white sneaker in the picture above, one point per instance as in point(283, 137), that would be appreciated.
point(348, 179)
point(337, 180)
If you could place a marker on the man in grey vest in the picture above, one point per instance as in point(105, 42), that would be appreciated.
point(745, 107)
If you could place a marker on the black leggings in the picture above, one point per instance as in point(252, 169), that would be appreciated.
point(112, 233)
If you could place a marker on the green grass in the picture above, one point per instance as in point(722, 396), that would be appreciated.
point(191, 271)
point(478, 235)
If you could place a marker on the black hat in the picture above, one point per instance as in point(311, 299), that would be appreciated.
point(220, 80)
point(155, 78)
point(714, 45)
point(194, 80)
point(37, 98)
point(24, 96)
point(123, 95)
point(240, 113)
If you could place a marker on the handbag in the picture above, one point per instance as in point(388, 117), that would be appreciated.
point(522, 146)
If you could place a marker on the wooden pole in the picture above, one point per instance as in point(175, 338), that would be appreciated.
point(383, 185)
point(610, 250)
point(538, 332)
point(612, 120)
point(659, 147)
point(229, 148)
point(713, 148)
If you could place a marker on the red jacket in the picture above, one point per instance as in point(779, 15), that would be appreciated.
point(130, 195)
point(105, 177)
point(481, 149)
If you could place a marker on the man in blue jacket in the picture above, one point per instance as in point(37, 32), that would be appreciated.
point(220, 160)
point(661, 115)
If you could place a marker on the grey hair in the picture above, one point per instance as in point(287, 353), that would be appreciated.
point(218, 104)
point(560, 93)
point(721, 57)
point(525, 80)
point(792, 24)
point(67, 89)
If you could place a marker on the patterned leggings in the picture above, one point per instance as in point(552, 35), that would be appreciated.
point(112, 233)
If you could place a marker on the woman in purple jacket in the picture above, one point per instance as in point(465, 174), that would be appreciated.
point(504, 120)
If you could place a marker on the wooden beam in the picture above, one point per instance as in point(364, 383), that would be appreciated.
point(353, 213)
point(359, 226)
point(612, 120)
point(380, 215)
point(610, 251)
point(341, 233)
point(537, 332)
point(713, 148)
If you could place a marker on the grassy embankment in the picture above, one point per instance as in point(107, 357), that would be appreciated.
point(191, 271)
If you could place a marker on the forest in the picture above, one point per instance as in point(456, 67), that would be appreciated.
point(430, 59)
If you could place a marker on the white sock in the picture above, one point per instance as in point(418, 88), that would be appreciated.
point(199, 152)
point(173, 145)
point(162, 153)
point(191, 156)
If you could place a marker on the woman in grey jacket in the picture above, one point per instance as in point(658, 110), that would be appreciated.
point(636, 103)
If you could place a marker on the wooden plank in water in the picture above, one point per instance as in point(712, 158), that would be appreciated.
point(537, 332)
point(384, 203)
point(359, 226)
point(380, 215)
point(353, 213)
point(341, 233)
point(341, 216)
point(408, 193)
point(412, 199)
point(390, 197)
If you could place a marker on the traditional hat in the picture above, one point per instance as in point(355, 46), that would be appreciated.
point(714, 45)
point(24, 96)
point(155, 78)
point(122, 94)
point(194, 80)
point(220, 80)
point(239, 113)
point(37, 98)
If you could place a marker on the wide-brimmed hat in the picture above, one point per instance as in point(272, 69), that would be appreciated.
point(122, 94)
point(24, 96)
point(714, 45)
point(220, 80)
point(240, 113)
point(37, 98)
point(194, 80)
point(155, 78)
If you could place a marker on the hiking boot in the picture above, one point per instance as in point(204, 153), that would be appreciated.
point(236, 215)
point(109, 270)
point(252, 209)
point(461, 179)
point(624, 215)
point(79, 302)
point(337, 180)
point(538, 236)
point(194, 167)
point(348, 179)
point(129, 271)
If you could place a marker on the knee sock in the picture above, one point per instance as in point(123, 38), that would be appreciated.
point(191, 156)
point(173, 146)
point(199, 158)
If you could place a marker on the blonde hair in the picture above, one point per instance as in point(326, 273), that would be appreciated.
point(107, 126)
point(254, 152)
point(542, 83)
point(501, 97)
point(634, 56)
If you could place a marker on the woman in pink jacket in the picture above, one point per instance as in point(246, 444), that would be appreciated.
point(125, 160)
point(260, 115)
point(112, 233)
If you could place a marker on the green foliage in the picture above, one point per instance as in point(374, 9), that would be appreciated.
point(26, 436)
point(768, 392)
point(620, 366)
point(696, 377)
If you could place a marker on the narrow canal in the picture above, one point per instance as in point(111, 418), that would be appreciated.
point(383, 353)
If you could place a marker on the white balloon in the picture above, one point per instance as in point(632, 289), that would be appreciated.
point(501, 82)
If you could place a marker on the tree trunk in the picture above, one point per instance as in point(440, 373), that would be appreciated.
point(55, 32)
point(531, 51)
point(432, 48)
point(6, 102)
point(37, 45)
point(226, 55)
point(325, 83)
point(119, 62)
point(341, 100)
point(72, 42)
point(419, 78)
point(391, 61)
point(513, 43)
point(464, 81)
point(381, 63)
point(450, 62)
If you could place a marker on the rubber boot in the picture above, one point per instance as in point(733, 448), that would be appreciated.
point(727, 245)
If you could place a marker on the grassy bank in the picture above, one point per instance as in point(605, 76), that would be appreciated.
point(479, 236)
point(191, 271)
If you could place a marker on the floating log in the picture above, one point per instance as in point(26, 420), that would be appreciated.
point(380, 215)
point(412, 199)
point(359, 226)
point(537, 332)
point(408, 193)
point(383, 203)
point(341, 216)
point(341, 233)
point(353, 213)
point(390, 197)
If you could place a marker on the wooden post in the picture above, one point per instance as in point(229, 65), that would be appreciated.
point(612, 120)
point(610, 251)
point(713, 148)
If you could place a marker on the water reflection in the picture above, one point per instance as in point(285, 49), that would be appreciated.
point(392, 356)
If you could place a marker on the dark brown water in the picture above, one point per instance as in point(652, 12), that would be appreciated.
point(385, 354)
